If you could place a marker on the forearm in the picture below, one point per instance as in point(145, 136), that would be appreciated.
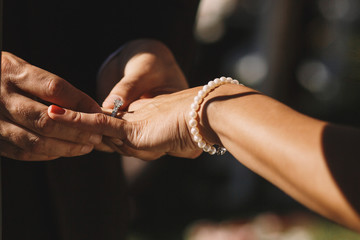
point(281, 145)
point(314, 163)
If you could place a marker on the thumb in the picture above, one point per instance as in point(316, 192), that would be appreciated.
point(127, 90)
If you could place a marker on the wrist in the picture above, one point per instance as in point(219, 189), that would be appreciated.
point(213, 111)
point(199, 119)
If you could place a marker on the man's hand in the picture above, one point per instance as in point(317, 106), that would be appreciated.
point(26, 131)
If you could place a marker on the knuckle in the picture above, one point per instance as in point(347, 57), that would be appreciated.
point(101, 119)
point(55, 86)
point(12, 69)
point(76, 117)
point(8, 62)
point(35, 145)
point(44, 124)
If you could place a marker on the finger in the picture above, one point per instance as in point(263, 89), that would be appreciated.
point(17, 153)
point(35, 144)
point(95, 122)
point(126, 90)
point(141, 154)
point(105, 146)
point(33, 116)
point(54, 89)
point(55, 147)
point(114, 144)
point(126, 150)
point(107, 111)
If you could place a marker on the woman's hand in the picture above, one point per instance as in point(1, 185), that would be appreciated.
point(150, 128)
point(141, 69)
point(26, 131)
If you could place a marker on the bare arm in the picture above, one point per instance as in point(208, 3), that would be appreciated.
point(314, 162)
point(303, 156)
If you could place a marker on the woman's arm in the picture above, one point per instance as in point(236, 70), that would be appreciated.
point(314, 162)
point(295, 152)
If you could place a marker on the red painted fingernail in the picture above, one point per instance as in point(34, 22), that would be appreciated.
point(56, 109)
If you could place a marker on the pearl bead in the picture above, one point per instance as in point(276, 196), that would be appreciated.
point(194, 130)
point(192, 114)
point(193, 122)
point(201, 144)
point(194, 106)
point(206, 88)
point(212, 150)
point(235, 82)
point(201, 93)
point(217, 81)
point(207, 148)
point(197, 99)
point(197, 137)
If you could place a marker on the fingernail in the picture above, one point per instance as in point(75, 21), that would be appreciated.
point(87, 148)
point(117, 141)
point(95, 138)
point(109, 101)
point(57, 110)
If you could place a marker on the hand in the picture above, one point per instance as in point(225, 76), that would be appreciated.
point(150, 128)
point(26, 131)
point(141, 69)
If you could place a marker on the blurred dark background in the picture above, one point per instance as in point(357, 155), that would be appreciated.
point(303, 53)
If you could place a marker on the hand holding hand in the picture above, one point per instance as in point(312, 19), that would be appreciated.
point(151, 127)
point(141, 69)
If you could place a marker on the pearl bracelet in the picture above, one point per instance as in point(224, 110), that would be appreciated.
point(195, 106)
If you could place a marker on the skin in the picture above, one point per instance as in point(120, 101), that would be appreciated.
point(144, 68)
point(26, 131)
point(141, 69)
point(311, 160)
